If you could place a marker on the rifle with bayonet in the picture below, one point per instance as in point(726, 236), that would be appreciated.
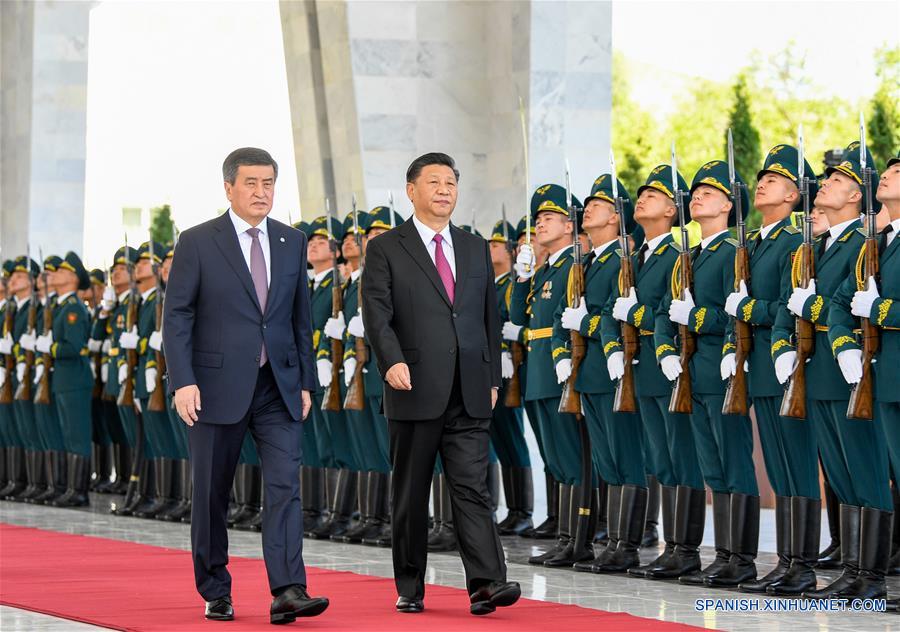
point(24, 390)
point(682, 282)
point(736, 402)
point(331, 401)
point(570, 401)
point(356, 392)
point(513, 396)
point(793, 404)
point(97, 357)
point(42, 394)
point(861, 405)
point(157, 402)
point(624, 400)
point(126, 391)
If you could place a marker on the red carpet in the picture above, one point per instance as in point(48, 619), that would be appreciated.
point(130, 586)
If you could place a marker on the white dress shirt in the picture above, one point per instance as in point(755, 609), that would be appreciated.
point(318, 278)
point(893, 234)
point(556, 255)
point(245, 241)
point(705, 242)
point(652, 244)
point(599, 249)
point(835, 231)
point(765, 230)
point(427, 236)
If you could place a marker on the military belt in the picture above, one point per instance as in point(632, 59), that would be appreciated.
point(537, 334)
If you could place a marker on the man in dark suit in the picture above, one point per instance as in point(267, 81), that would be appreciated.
point(431, 318)
point(237, 329)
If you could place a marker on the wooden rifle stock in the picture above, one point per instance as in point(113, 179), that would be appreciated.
point(331, 401)
point(793, 404)
point(23, 391)
point(157, 401)
point(625, 400)
point(683, 280)
point(42, 395)
point(570, 402)
point(126, 392)
point(356, 392)
point(513, 395)
point(861, 395)
point(736, 401)
point(9, 361)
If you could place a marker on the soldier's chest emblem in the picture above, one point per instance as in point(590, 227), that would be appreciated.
point(120, 321)
point(547, 290)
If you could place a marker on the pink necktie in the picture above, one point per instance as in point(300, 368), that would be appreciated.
point(443, 267)
point(260, 282)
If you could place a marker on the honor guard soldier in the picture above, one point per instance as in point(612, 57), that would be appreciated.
point(669, 441)
point(507, 427)
point(101, 452)
point(616, 437)
point(723, 442)
point(870, 305)
point(537, 295)
point(7, 369)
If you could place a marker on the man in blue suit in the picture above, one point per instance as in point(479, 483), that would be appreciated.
point(237, 331)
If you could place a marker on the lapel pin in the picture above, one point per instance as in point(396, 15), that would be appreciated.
point(281, 239)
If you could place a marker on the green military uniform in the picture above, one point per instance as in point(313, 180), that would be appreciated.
point(724, 443)
point(8, 433)
point(102, 440)
point(49, 426)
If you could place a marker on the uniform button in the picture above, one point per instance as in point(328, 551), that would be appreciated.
point(264, 325)
point(257, 359)
point(455, 314)
point(452, 350)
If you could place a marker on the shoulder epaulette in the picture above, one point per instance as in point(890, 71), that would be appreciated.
point(72, 300)
point(619, 252)
point(790, 229)
point(729, 240)
point(862, 231)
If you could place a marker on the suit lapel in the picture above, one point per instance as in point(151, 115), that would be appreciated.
point(462, 259)
point(706, 253)
point(837, 245)
point(651, 259)
point(276, 265)
point(413, 245)
point(227, 241)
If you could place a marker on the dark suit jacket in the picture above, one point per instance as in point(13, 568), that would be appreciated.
point(409, 318)
point(213, 327)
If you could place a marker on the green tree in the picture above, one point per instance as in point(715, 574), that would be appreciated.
point(162, 228)
point(634, 131)
point(747, 153)
point(883, 133)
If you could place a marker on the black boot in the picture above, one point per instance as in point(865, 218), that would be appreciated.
point(31, 488)
point(122, 463)
point(253, 489)
point(79, 476)
point(183, 507)
point(312, 492)
point(353, 535)
point(444, 539)
point(55, 467)
point(564, 513)
point(601, 536)
point(519, 500)
point(137, 481)
point(667, 497)
point(651, 534)
point(549, 528)
point(376, 517)
point(894, 562)
point(384, 537)
point(613, 510)
point(743, 542)
point(103, 482)
point(15, 467)
point(164, 476)
point(254, 523)
point(850, 519)
point(874, 551)
point(38, 483)
point(782, 546)
point(690, 519)
point(509, 496)
point(630, 530)
point(342, 506)
point(806, 518)
point(244, 494)
point(830, 557)
point(721, 506)
point(583, 527)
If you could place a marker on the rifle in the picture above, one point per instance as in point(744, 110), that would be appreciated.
point(736, 391)
point(861, 405)
point(23, 391)
point(625, 400)
point(793, 404)
point(332, 398)
point(157, 401)
point(97, 358)
point(356, 392)
point(42, 395)
point(524, 122)
point(513, 396)
point(9, 361)
point(570, 402)
point(126, 393)
point(682, 281)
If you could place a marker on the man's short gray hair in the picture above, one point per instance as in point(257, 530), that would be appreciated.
point(248, 157)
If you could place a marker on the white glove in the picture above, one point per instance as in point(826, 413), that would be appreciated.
point(6, 344)
point(734, 299)
point(323, 368)
point(129, 339)
point(27, 341)
point(334, 327)
point(94, 345)
point(572, 316)
point(93, 370)
point(680, 311)
point(850, 362)
point(150, 378)
point(506, 365)
point(123, 373)
point(728, 366)
point(38, 373)
point(615, 365)
point(784, 366)
point(624, 304)
point(109, 299)
point(2, 375)
point(349, 369)
point(671, 367)
point(104, 372)
point(356, 328)
point(20, 372)
point(861, 305)
point(155, 341)
point(43, 343)
point(107, 345)
point(525, 262)
point(563, 370)
point(799, 297)
point(511, 331)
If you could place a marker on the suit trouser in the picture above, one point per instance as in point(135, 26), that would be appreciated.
point(48, 425)
point(724, 446)
point(616, 441)
point(508, 435)
point(671, 444)
point(562, 443)
point(214, 455)
point(789, 449)
point(74, 410)
point(854, 454)
point(462, 443)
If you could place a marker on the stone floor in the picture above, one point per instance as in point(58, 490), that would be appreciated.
point(661, 600)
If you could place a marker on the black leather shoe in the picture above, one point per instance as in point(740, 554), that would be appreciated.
point(410, 605)
point(494, 595)
point(295, 602)
point(220, 609)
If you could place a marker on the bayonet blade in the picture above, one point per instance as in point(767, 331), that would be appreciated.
point(612, 168)
point(730, 157)
point(862, 142)
point(800, 165)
